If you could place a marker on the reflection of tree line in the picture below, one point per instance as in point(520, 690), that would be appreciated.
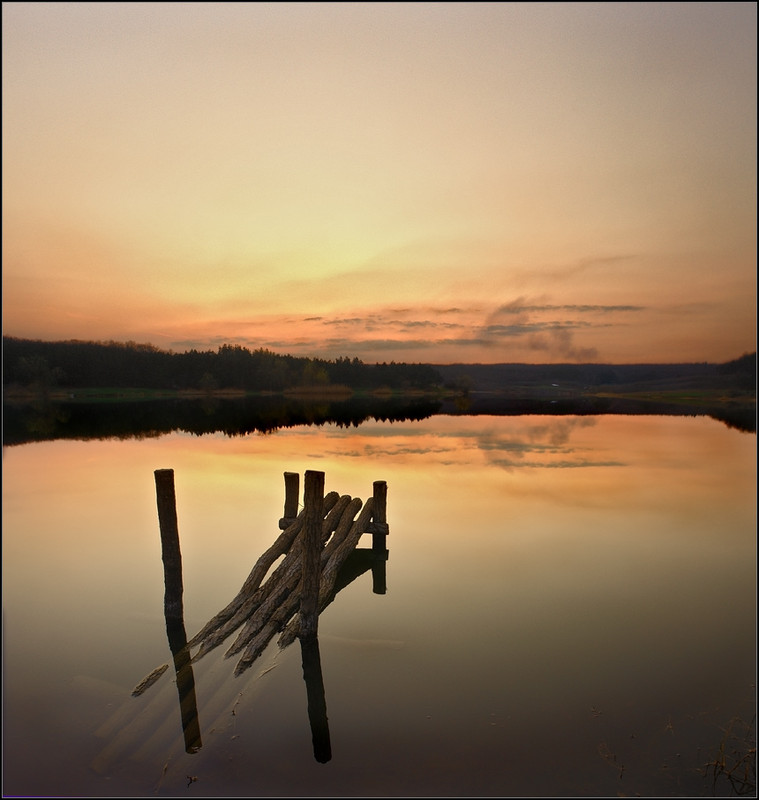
point(41, 421)
point(738, 417)
point(234, 417)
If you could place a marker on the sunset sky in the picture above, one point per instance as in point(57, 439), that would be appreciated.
point(419, 182)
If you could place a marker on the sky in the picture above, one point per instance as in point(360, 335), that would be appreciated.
point(412, 182)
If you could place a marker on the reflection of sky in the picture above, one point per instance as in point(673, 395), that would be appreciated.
point(517, 589)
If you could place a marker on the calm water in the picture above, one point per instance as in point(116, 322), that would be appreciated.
point(570, 610)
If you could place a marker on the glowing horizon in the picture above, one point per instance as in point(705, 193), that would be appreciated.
point(434, 183)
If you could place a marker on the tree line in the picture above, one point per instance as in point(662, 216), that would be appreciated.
point(78, 364)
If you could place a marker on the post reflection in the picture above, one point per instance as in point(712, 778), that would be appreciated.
point(188, 705)
point(317, 703)
point(358, 562)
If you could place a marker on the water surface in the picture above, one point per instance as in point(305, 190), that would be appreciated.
point(570, 610)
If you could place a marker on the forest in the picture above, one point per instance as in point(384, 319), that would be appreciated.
point(43, 367)
point(77, 364)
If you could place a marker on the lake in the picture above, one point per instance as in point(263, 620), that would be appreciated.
point(570, 610)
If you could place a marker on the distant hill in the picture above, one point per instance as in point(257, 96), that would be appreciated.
point(738, 375)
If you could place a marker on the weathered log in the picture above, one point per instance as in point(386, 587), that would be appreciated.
point(149, 680)
point(261, 628)
point(333, 561)
point(263, 608)
point(251, 594)
point(252, 582)
point(256, 633)
point(281, 546)
point(257, 606)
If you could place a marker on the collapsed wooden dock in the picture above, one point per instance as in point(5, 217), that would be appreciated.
point(318, 551)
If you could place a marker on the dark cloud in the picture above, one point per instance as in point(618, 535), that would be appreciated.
point(378, 321)
point(554, 337)
point(517, 307)
point(558, 341)
point(490, 332)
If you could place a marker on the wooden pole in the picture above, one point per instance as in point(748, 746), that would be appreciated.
point(292, 481)
point(379, 525)
point(313, 505)
point(170, 553)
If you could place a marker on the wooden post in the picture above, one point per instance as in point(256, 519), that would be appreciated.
point(170, 552)
point(292, 481)
point(313, 505)
point(379, 525)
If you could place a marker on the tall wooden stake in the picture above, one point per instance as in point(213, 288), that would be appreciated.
point(313, 504)
point(379, 526)
point(172, 557)
point(173, 607)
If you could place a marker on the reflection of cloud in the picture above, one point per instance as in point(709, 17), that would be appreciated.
point(548, 440)
point(558, 431)
point(390, 452)
point(510, 444)
point(505, 463)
